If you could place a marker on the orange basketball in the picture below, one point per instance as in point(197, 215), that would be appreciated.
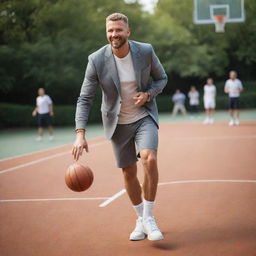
point(78, 177)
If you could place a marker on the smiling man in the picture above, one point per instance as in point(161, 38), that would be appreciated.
point(130, 76)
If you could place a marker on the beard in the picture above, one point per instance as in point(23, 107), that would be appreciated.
point(118, 43)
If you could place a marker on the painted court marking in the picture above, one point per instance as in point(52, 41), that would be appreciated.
point(112, 198)
point(121, 192)
point(217, 138)
point(109, 200)
point(46, 158)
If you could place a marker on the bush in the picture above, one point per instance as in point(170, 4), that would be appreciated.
point(13, 115)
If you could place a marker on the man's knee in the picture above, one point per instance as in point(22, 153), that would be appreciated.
point(130, 172)
point(148, 157)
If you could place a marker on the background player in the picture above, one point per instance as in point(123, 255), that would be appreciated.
point(44, 111)
point(233, 87)
point(179, 103)
point(193, 96)
point(209, 101)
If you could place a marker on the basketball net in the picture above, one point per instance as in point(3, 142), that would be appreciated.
point(219, 23)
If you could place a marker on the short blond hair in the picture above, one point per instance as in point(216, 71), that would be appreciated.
point(118, 16)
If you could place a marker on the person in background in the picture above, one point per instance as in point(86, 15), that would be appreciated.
point(209, 101)
point(179, 100)
point(233, 87)
point(44, 112)
point(193, 96)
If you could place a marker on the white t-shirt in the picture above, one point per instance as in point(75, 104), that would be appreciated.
point(234, 87)
point(129, 112)
point(43, 103)
point(193, 98)
point(209, 92)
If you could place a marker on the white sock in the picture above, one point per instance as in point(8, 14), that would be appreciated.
point(148, 208)
point(139, 209)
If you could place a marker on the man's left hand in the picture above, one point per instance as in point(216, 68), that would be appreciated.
point(140, 98)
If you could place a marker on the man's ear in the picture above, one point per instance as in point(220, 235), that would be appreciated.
point(129, 32)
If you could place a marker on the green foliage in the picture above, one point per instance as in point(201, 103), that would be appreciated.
point(14, 115)
point(45, 43)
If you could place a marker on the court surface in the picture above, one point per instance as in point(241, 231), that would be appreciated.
point(206, 200)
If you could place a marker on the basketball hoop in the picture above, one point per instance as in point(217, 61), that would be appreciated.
point(219, 23)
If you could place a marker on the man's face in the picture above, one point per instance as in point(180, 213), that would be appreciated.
point(41, 92)
point(117, 33)
point(232, 75)
point(209, 82)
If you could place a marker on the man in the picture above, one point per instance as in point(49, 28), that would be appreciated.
point(233, 87)
point(179, 100)
point(193, 96)
point(209, 101)
point(124, 69)
point(44, 110)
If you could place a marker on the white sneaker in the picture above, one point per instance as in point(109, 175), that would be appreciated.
point(206, 120)
point(211, 121)
point(231, 122)
point(150, 228)
point(138, 234)
point(51, 138)
point(39, 138)
point(236, 122)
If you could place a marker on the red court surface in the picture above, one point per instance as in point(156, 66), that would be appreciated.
point(206, 202)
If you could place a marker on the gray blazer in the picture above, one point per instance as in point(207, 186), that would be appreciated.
point(101, 70)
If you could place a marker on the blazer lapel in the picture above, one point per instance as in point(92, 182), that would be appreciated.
point(136, 62)
point(110, 62)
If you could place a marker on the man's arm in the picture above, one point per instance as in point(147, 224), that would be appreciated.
point(226, 90)
point(51, 109)
point(83, 107)
point(158, 75)
point(87, 93)
point(35, 111)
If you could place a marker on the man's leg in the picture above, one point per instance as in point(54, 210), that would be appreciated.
point(175, 110)
point(149, 161)
point(50, 130)
point(132, 184)
point(40, 131)
point(183, 109)
point(133, 189)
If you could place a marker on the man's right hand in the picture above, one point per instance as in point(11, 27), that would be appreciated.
point(79, 145)
point(34, 113)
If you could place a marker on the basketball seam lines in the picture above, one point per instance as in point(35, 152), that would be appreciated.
point(79, 186)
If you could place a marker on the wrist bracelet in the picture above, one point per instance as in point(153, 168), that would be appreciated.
point(80, 130)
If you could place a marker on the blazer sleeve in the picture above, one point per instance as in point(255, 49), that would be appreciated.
point(158, 75)
point(87, 93)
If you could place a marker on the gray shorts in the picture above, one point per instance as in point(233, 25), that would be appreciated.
point(142, 133)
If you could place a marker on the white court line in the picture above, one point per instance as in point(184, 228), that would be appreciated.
point(53, 199)
point(216, 138)
point(112, 198)
point(205, 181)
point(121, 192)
point(46, 158)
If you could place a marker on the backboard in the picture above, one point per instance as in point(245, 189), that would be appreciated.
point(205, 10)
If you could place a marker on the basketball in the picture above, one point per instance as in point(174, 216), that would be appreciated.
point(78, 177)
